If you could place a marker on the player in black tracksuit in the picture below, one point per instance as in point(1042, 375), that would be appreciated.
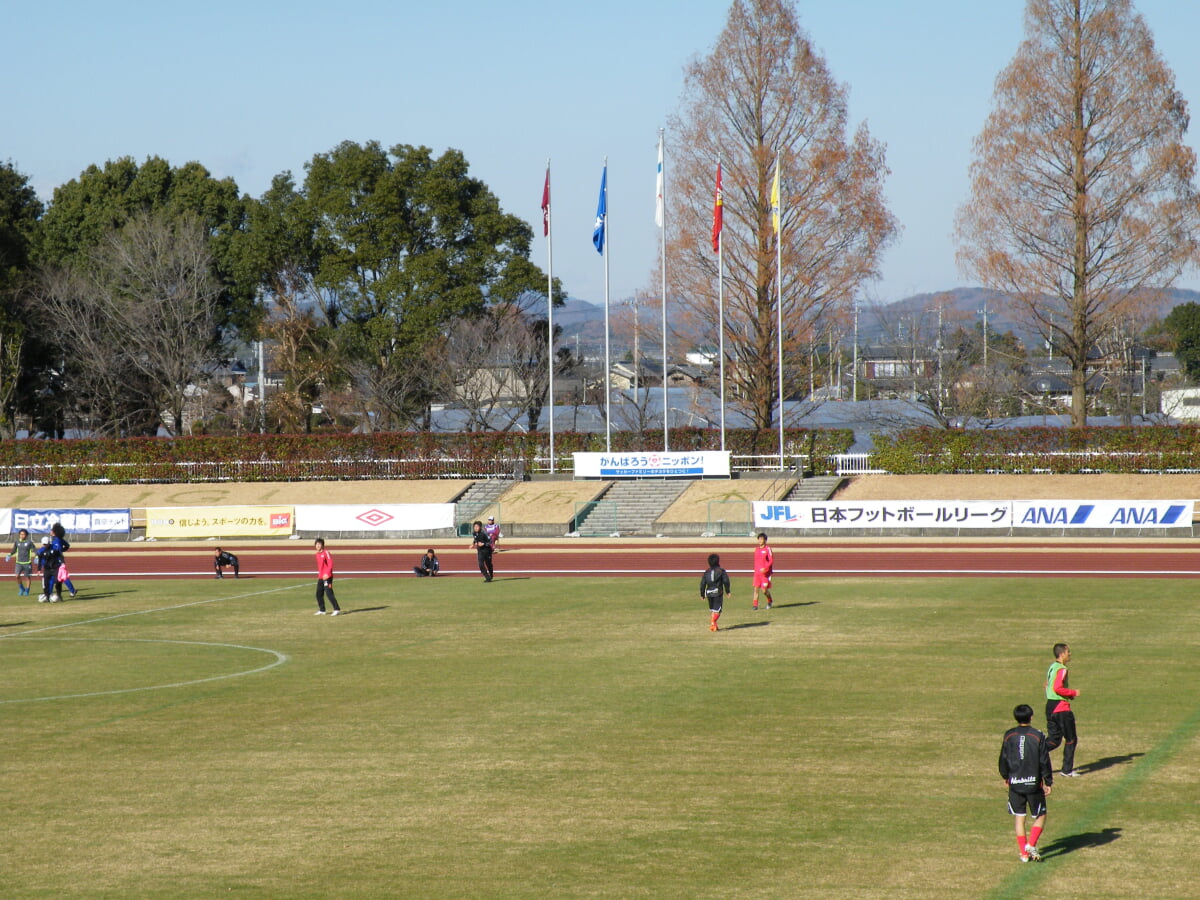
point(223, 558)
point(714, 587)
point(1025, 767)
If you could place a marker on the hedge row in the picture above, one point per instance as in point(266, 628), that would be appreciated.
point(324, 457)
point(1065, 451)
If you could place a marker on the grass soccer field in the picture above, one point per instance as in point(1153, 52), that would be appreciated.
point(589, 738)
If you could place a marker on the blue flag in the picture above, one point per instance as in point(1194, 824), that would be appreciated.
point(601, 213)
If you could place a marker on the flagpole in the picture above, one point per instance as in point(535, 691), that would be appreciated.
point(662, 224)
point(549, 303)
point(779, 292)
point(720, 239)
point(607, 351)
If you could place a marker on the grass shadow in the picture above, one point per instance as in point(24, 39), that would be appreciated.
point(793, 605)
point(14, 624)
point(745, 625)
point(347, 612)
point(1107, 762)
point(1073, 842)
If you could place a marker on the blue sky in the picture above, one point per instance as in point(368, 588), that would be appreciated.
point(251, 89)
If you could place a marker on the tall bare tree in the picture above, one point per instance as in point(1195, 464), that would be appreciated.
point(764, 95)
point(137, 321)
point(1083, 203)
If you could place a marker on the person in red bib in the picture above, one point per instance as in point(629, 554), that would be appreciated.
point(764, 568)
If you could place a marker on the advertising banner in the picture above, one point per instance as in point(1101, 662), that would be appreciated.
point(1118, 514)
point(899, 514)
point(383, 518)
point(74, 521)
point(653, 464)
point(219, 521)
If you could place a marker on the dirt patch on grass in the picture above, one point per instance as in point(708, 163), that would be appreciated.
point(1021, 487)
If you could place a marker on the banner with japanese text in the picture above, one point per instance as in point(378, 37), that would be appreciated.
point(653, 464)
point(898, 514)
point(219, 521)
point(74, 521)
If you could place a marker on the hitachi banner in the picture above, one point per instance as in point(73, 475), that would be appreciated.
point(1118, 514)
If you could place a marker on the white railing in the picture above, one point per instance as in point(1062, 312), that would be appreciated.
point(855, 464)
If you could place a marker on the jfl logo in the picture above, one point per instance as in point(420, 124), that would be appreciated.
point(777, 514)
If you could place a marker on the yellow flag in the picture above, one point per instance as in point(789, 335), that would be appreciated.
point(775, 210)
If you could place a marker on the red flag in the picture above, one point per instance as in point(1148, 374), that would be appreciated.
point(546, 204)
point(718, 213)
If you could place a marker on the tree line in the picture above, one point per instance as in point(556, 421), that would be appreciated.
point(384, 272)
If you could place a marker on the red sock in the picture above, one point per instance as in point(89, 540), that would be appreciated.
point(1034, 834)
point(1021, 844)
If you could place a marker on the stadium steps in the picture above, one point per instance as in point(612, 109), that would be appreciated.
point(476, 501)
point(638, 504)
point(816, 489)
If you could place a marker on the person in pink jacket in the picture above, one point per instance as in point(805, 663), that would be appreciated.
point(325, 579)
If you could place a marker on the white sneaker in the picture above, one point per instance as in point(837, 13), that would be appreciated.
point(42, 598)
point(336, 612)
point(1032, 852)
point(319, 612)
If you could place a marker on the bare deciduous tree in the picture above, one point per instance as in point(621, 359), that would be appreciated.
point(137, 322)
point(1082, 199)
point(764, 94)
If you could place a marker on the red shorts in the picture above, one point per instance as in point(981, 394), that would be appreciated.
point(762, 581)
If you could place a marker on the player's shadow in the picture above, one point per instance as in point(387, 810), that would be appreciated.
point(13, 624)
point(92, 594)
point(510, 578)
point(745, 625)
point(1107, 762)
point(347, 612)
point(1073, 842)
point(791, 605)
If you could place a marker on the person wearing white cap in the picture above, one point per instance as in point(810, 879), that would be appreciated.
point(493, 532)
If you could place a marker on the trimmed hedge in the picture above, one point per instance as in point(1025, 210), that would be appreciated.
point(336, 457)
point(1063, 451)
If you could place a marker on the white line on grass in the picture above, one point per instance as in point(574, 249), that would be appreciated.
point(280, 658)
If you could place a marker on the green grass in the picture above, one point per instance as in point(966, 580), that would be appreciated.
point(588, 738)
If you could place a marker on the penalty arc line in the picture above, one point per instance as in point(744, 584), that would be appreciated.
point(280, 658)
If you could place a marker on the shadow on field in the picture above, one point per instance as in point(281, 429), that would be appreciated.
point(1107, 763)
point(745, 625)
point(13, 624)
point(92, 594)
point(792, 605)
point(1073, 842)
point(348, 612)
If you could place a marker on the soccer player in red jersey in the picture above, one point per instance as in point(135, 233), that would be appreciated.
point(764, 568)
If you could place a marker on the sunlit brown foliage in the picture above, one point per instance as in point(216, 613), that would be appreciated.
point(1082, 202)
point(764, 93)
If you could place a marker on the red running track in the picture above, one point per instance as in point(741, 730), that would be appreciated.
point(664, 557)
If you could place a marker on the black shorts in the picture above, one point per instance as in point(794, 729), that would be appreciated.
point(1060, 727)
point(1033, 804)
point(715, 603)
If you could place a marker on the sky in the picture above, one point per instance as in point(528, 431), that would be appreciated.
point(254, 88)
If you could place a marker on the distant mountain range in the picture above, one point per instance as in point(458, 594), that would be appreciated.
point(583, 322)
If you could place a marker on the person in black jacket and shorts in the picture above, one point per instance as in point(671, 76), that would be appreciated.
point(1025, 768)
point(223, 558)
point(481, 543)
point(714, 587)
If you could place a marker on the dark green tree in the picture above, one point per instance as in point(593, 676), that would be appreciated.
point(85, 211)
point(1183, 324)
point(20, 210)
point(397, 244)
